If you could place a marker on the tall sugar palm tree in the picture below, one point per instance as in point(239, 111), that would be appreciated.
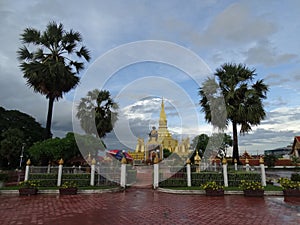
point(97, 113)
point(243, 99)
point(49, 62)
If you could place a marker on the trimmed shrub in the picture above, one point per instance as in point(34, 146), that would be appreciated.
point(295, 177)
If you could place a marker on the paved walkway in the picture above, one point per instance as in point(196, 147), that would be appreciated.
point(146, 206)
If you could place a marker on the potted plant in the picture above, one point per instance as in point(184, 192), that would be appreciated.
point(290, 187)
point(252, 188)
point(213, 189)
point(28, 187)
point(68, 188)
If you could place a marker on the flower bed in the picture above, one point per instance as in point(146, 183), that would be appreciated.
point(290, 188)
point(68, 188)
point(252, 188)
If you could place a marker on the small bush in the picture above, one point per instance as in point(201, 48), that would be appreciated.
point(295, 177)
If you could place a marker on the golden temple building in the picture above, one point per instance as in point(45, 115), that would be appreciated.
point(160, 139)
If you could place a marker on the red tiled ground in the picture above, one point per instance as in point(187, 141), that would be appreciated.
point(146, 206)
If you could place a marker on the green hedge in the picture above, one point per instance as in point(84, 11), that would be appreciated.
point(3, 177)
point(176, 180)
point(295, 177)
point(200, 178)
point(45, 180)
point(234, 179)
point(82, 180)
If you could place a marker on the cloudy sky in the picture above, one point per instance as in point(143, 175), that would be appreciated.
point(145, 50)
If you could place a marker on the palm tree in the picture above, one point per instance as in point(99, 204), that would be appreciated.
point(49, 64)
point(97, 113)
point(242, 98)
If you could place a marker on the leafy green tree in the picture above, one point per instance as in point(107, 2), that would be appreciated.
point(49, 65)
point(97, 113)
point(66, 148)
point(199, 143)
point(11, 147)
point(270, 160)
point(242, 98)
point(218, 143)
point(13, 122)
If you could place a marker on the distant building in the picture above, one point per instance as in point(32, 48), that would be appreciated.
point(280, 152)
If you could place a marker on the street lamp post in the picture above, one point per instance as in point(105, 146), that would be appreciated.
point(21, 156)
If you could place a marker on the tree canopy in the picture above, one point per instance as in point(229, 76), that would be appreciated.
point(234, 86)
point(49, 63)
point(203, 143)
point(97, 113)
point(17, 130)
point(66, 148)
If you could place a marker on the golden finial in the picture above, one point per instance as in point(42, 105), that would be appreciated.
point(261, 160)
point(61, 161)
point(124, 161)
point(93, 161)
point(247, 161)
point(197, 157)
point(224, 161)
point(188, 161)
point(28, 162)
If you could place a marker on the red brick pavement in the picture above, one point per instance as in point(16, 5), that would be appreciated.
point(146, 206)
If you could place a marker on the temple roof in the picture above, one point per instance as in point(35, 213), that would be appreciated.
point(296, 144)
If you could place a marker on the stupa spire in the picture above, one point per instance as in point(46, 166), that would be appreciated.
point(163, 116)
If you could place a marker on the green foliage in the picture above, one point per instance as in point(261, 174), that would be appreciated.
point(3, 177)
point(270, 160)
point(287, 183)
point(97, 113)
point(45, 180)
point(65, 148)
point(199, 143)
point(199, 179)
point(295, 159)
point(251, 185)
point(295, 176)
point(17, 130)
point(217, 142)
point(11, 145)
point(233, 96)
point(234, 179)
point(48, 62)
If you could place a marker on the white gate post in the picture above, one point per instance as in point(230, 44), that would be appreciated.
point(263, 172)
point(93, 168)
point(60, 167)
point(235, 165)
point(156, 173)
point(224, 162)
point(188, 170)
point(247, 164)
point(27, 170)
point(123, 172)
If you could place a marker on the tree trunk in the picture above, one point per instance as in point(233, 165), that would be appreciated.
point(49, 118)
point(235, 151)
